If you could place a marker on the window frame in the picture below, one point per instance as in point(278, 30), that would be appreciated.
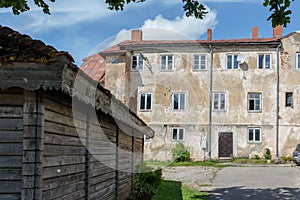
point(219, 101)
point(146, 101)
point(254, 135)
point(233, 61)
point(139, 58)
point(260, 102)
point(178, 134)
point(286, 100)
point(167, 59)
point(264, 60)
point(179, 102)
point(200, 64)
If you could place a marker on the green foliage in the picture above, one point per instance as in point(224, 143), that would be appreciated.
point(19, 6)
point(256, 157)
point(146, 181)
point(287, 159)
point(180, 153)
point(280, 11)
point(267, 154)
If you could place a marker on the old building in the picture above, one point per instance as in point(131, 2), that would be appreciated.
point(220, 98)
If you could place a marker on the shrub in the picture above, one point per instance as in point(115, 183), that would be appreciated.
point(268, 155)
point(146, 181)
point(180, 153)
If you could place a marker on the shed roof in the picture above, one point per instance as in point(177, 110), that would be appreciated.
point(32, 65)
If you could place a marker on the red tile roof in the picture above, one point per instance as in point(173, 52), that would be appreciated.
point(94, 66)
point(17, 47)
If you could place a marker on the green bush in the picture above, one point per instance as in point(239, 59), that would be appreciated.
point(180, 153)
point(268, 155)
point(146, 182)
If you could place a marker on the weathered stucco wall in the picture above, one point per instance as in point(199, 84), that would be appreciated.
point(235, 83)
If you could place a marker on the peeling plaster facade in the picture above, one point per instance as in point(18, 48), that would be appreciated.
point(203, 125)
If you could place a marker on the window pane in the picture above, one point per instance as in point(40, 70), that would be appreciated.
point(163, 63)
point(149, 101)
point(298, 60)
point(181, 134)
point(134, 62)
point(267, 61)
point(196, 62)
point(142, 102)
point(229, 62)
point(260, 61)
point(250, 135)
point(251, 104)
point(175, 101)
point(140, 61)
point(216, 101)
point(203, 62)
point(257, 134)
point(170, 61)
point(289, 99)
point(235, 63)
point(257, 104)
point(222, 101)
point(174, 134)
point(182, 101)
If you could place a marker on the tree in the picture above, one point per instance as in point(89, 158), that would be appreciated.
point(280, 12)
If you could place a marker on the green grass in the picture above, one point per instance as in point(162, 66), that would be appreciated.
point(212, 163)
point(250, 161)
point(173, 190)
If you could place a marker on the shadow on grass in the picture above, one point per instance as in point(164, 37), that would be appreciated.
point(237, 193)
point(173, 190)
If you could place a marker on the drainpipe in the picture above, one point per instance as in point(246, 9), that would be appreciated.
point(210, 103)
point(277, 101)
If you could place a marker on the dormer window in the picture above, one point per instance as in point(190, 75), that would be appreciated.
point(137, 63)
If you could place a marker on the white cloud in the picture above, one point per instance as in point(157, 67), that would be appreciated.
point(160, 28)
point(63, 13)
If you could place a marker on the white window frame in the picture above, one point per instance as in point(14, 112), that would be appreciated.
point(146, 101)
point(218, 96)
point(139, 66)
point(254, 99)
point(199, 62)
point(298, 60)
point(233, 62)
point(178, 134)
point(264, 60)
point(166, 63)
point(254, 129)
point(179, 101)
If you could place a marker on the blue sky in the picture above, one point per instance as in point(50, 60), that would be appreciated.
point(85, 27)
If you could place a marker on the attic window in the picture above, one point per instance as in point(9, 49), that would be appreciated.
point(298, 60)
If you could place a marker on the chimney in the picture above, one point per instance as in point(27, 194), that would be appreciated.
point(209, 34)
point(254, 33)
point(277, 32)
point(136, 35)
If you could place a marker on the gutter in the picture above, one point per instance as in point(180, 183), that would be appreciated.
point(210, 103)
point(277, 101)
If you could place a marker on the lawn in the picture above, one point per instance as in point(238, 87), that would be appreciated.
point(174, 190)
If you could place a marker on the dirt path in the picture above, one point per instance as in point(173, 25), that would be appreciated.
point(199, 178)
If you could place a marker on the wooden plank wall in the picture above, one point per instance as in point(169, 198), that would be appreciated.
point(64, 152)
point(11, 143)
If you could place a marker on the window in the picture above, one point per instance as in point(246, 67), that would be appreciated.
point(298, 60)
point(137, 63)
point(232, 61)
point(179, 100)
point(178, 134)
point(254, 102)
point(166, 62)
point(264, 61)
point(145, 101)
point(289, 99)
point(219, 101)
point(199, 62)
point(254, 135)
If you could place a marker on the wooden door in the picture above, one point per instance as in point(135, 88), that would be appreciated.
point(225, 145)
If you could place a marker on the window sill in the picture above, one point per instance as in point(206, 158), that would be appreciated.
point(253, 142)
point(254, 111)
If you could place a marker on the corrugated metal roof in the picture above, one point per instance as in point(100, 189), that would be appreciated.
point(94, 66)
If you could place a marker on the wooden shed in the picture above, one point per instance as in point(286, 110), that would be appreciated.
point(62, 136)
